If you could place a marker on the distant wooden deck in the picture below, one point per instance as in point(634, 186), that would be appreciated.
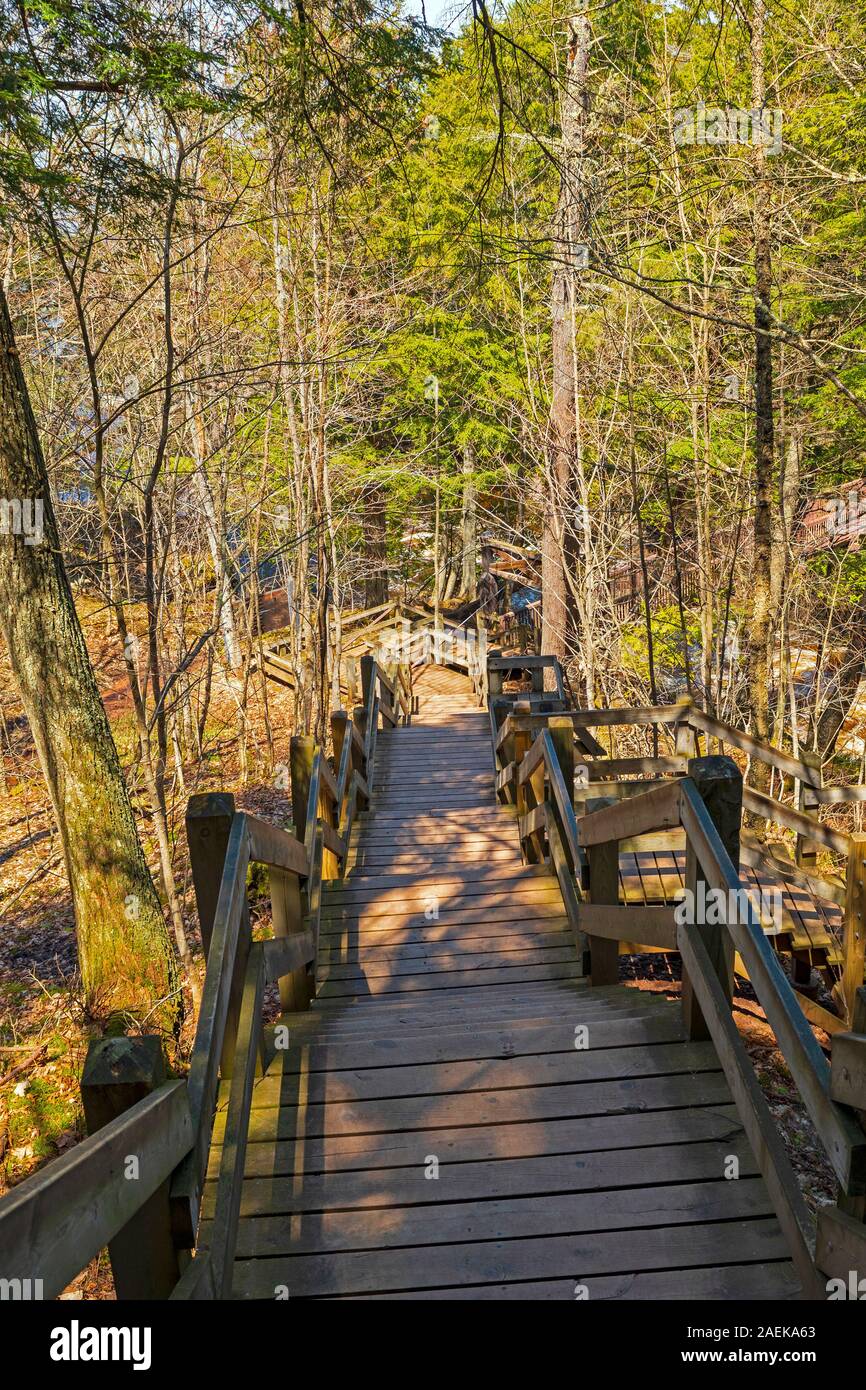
point(808, 923)
point(459, 1115)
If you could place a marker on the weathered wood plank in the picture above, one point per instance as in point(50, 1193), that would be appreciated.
point(483, 1145)
point(497, 1107)
point(651, 926)
point(595, 1254)
point(843, 1139)
point(497, 1219)
point(848, 1070)
point(657, 809)
point(840, 1248)
point(595, 1171)
point(223, 1230)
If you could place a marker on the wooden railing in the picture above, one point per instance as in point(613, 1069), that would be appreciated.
point(598, 776)
point(136, 1183)
point(550, 768)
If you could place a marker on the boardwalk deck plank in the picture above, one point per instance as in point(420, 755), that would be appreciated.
point(579, 1136)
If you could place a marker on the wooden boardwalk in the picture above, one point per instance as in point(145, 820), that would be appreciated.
point(459, 1115)
point(807, 923)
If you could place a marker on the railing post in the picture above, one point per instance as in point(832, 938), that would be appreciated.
point(495, 679)
point(368, 662)
point(208, 823)
point(359, 719)
point(841, 1241)
point(720, 784)
point(296, 990)
point(339, 733)
point(302, 752)
point(854, 924)
point(287, 915)
point(562, 735)
point(119, 1072)
point(806, 851)
point(521, 742)
point(684, 734)
point(603, 888)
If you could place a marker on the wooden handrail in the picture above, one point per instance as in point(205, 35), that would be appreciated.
point(771, 809)
point(753, 854)
point(686, 715)
point(657, 809)
point(755, 747)
point(842, 1137)
point(761, 1131)
point(275, 848)
point(224, 1228)
point(615, 716)
point(53, 1223)
point(529, 773)
point(56, 1221)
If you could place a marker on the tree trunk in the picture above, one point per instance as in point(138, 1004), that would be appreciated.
point(757, 651)
point(376, 583)
point(571, 231)
point(125, 952)
point(468, 525)
point(784, 514)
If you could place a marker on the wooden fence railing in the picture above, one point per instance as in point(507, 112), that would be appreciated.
point(598, 776)
point(539, 755)
point(136, 1183)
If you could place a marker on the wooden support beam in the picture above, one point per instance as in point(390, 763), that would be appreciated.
point(685, 738)
point(603, 890)
point(840, 1251)
point(650, 926)
point(569, 888)
point(848, 1070)
point(854, 924)
point(368, 669)
point(360, 720)
point(295, 984)
point(271, 845)
point(302, 754)
point(208, 824)
point(118, 1073)
point(658, 809)
point(719, 784)
point(806, 851)
point(848, 1086)
point(562, 737)
point(286, 954)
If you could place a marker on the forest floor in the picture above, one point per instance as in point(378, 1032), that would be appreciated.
point(44, 1027)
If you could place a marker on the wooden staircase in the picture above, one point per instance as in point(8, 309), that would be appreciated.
point(462, 1113)
point(459, 1115)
